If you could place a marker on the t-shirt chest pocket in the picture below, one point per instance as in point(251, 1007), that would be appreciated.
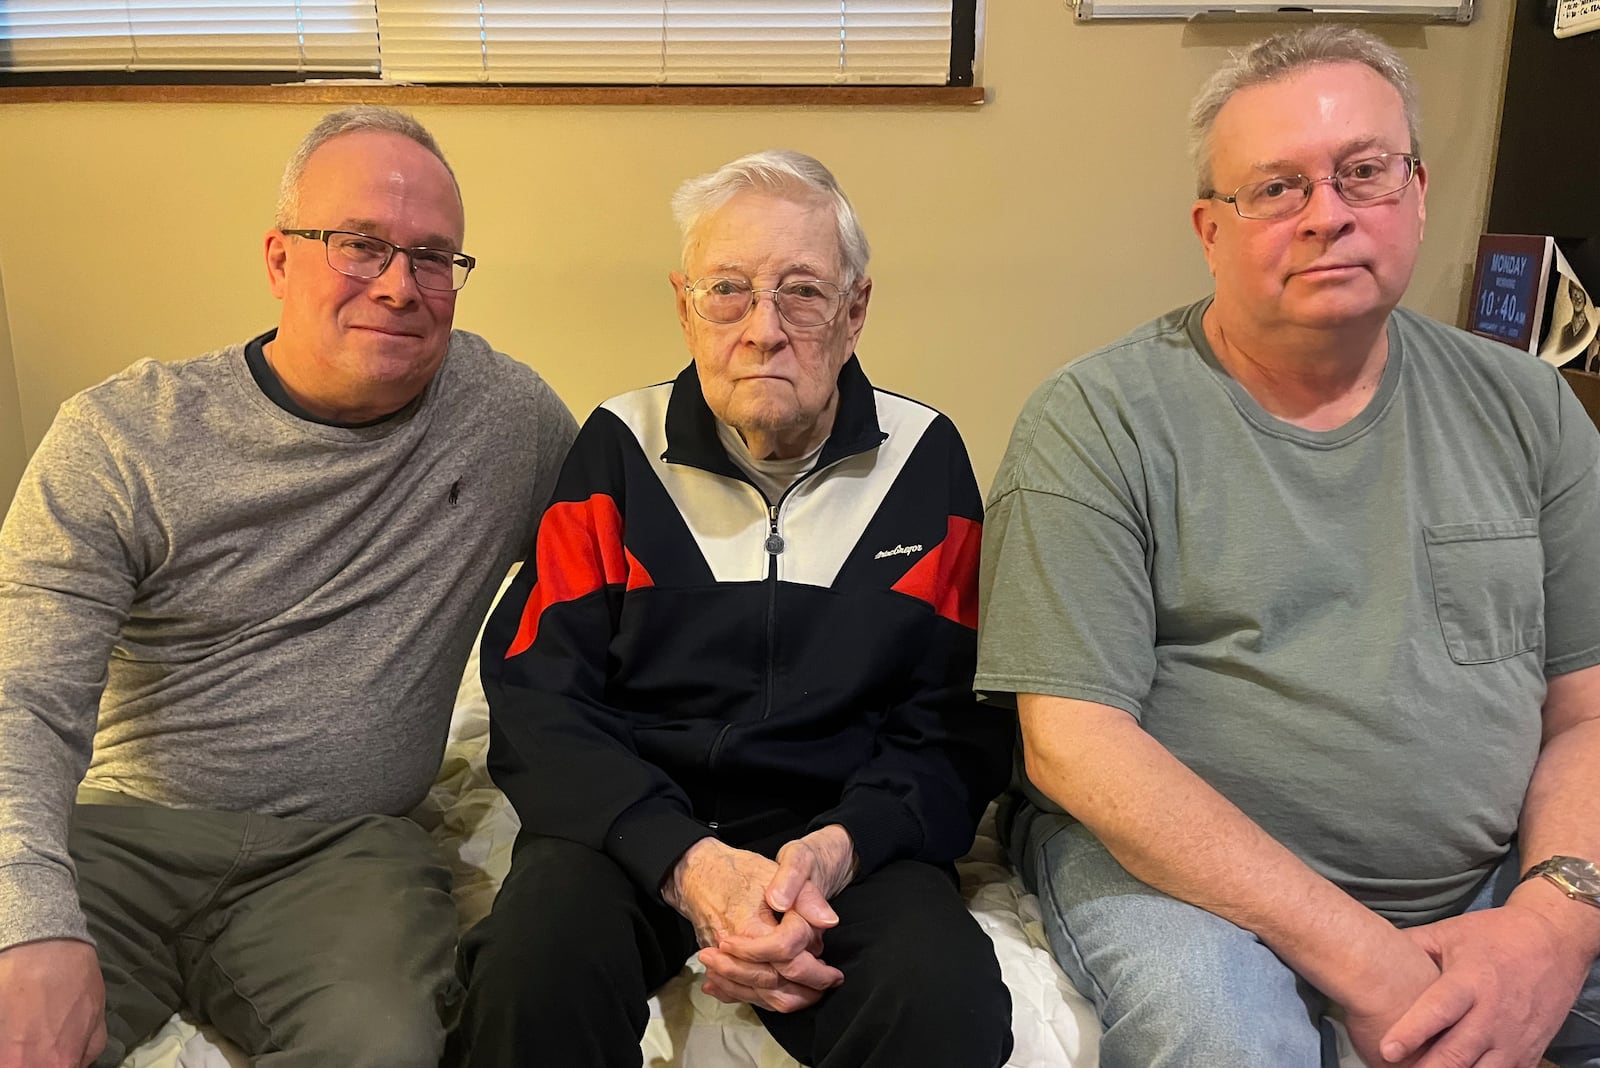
point(1488, 587)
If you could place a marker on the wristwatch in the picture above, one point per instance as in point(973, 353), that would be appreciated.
point(1579, 879)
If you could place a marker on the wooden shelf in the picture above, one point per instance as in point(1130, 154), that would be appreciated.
point(1587, 387)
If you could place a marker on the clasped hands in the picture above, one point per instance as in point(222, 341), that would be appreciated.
point(760, 922)
point(1495, 987)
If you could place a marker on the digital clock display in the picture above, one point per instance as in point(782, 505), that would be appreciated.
point(1508, 288)
point(1505, 295)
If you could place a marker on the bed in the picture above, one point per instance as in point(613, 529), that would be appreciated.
point(1053, 1026)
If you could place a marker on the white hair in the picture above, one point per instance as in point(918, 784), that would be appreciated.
point(778, 171)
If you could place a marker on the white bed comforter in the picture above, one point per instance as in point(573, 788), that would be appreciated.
point(1054, 1027)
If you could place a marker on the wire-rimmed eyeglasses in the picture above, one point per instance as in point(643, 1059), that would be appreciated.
point(367, 257)
point(1357, 181)
point(803, 302)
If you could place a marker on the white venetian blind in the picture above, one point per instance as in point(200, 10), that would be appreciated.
point(199, 35)
point(746, 42)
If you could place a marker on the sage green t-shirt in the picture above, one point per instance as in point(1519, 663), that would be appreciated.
point(1347, 633)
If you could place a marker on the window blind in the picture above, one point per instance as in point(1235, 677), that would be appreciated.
point(816, 42)
point(200, 35)
point(566, 42)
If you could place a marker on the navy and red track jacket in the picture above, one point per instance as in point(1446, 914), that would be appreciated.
point(682, 657)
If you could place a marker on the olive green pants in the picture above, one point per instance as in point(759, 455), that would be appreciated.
point(305, 943)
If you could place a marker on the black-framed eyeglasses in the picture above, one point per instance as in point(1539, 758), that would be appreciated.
point(803, 302)
point(1360, 180)
point(365, 256)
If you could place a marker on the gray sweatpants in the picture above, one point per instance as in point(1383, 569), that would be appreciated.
point(306, 944)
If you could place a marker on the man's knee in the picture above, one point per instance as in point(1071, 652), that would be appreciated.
point(956, 1016)
point(950, 1014)
point(557, 972)
point(567, 938)
point(920, 974)
point(1172, 983)
point(365, 1026)
point(943, 975)
point(1190, 988)
point(553, 914)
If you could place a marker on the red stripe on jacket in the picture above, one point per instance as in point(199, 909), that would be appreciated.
point(947, 576)
point(580, 550)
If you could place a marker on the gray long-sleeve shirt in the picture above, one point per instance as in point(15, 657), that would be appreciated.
point(208, 602)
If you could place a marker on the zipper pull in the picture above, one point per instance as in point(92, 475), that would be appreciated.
point(774, 544)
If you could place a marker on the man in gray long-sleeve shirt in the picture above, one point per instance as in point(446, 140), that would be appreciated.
point(236, 596)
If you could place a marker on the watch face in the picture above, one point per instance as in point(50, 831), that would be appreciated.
point(1582, 875)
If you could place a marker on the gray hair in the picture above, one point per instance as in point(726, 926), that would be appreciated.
point(1281, 55)
point(778, 171)
point(349, 120)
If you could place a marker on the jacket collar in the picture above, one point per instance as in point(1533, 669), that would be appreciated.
point(692, 429)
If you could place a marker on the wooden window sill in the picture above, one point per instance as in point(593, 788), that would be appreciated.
point(562, 95)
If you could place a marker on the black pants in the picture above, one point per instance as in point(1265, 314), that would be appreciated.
point(560, 972)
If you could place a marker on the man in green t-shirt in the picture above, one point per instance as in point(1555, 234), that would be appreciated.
point(1296, 593)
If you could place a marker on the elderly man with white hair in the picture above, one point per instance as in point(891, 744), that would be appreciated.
point(731, 700)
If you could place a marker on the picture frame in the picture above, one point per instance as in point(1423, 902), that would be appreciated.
point(1457, 11)
point(1577, 16)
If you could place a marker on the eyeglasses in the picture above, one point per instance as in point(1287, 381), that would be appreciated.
point(806, 302)
point(364, 256)
point(1359, 180)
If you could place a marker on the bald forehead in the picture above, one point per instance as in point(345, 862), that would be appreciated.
point(354, 174)
point(380, 152)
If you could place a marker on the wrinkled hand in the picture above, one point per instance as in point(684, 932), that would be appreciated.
point(810, 870)
point(1509, 979)
point(52, 1005)
point(722, 891)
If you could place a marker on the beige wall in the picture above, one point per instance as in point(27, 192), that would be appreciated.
point(1009, 238)
point(13, 448)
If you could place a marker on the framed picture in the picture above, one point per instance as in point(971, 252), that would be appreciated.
point(1509, 287)
point(1459, 11)
point(1577, 16)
